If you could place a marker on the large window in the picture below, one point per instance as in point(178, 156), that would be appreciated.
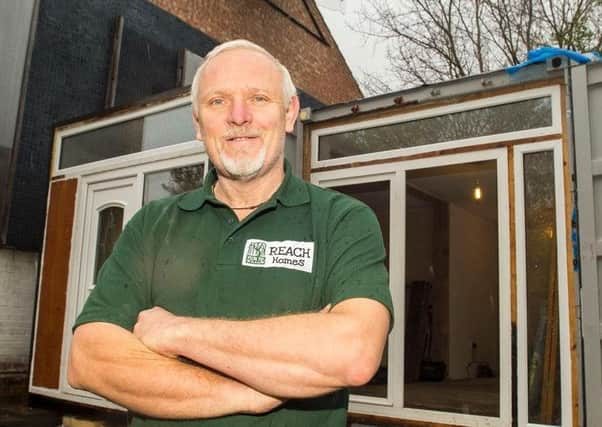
point(415, 129)
point(445, 222)
point(510, 117)
point(542, 293)
point(452, 310)
point(167, 127)
point(544, 377)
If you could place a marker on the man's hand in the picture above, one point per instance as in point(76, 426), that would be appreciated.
point(155, 328)
point(109, 361)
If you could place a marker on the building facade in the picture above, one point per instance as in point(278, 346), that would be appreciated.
point(70, 59)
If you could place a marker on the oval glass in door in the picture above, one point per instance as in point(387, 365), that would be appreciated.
point(110, 224)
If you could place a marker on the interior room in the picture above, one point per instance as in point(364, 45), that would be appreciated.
point(451, 287)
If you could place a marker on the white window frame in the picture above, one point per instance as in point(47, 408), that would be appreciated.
point(137, 164)
point(78, 241)
point(395, 173)
point(184, 147)
point(365, 175)
point(548, 91)
point(562, 283)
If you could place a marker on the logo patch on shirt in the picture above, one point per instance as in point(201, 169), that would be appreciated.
point(285, 254)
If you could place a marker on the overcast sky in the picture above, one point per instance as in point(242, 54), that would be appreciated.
point(361, 54)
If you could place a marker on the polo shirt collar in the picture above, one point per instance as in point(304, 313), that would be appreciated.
point(292, 191)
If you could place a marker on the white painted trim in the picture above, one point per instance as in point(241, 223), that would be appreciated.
point(563, 290)
point(128, 160)
point(150, 164)
point(395, 173)
point(427, 416)
point(563, 284)
point(92, 399)
point(555, 128)
point(87, 126)
point(367, 175)
point(505, 283)
point(397, 269)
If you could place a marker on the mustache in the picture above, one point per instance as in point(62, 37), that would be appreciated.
point(242, 132)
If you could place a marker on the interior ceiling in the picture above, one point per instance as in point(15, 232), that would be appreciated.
point(455, 185)
point(450, 184)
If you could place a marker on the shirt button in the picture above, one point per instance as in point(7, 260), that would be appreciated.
point(230, 239)
point(230, 220)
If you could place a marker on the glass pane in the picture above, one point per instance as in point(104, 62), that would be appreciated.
point(542, 289)
point(103, 143)
point(172, 181)
point(110, 224)
point(156, 130)
point(451, 360)
point(290, 151)
point(533, 113)
point(375, 195)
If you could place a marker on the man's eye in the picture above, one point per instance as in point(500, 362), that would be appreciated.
point(216, 101)
point(260, 99)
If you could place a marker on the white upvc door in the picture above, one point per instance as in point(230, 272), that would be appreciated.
point(108, 204)
point(106, 201)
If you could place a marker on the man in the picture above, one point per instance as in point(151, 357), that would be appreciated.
point(255, 300)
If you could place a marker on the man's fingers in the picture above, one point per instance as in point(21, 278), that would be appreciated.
point(326, 309)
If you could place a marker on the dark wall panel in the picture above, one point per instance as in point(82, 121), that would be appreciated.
point(67, 79)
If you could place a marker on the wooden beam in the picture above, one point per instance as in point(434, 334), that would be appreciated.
point(53, 284)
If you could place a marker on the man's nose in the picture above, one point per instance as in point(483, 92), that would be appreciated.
point(240, 113)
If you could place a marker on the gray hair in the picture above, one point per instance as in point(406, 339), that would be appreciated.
point(288, 87)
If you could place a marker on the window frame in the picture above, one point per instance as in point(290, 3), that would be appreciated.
point(393, 406)
point(548, 91)
point(155, 154)
point(564, 333)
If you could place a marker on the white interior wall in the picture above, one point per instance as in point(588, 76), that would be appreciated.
point(473, 299)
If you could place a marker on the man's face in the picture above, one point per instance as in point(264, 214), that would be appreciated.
point(241, 114)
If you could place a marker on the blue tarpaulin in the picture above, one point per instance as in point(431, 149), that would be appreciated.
point(542, 54)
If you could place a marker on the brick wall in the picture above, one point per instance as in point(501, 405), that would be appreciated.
point(317, 67)
point(17, 295)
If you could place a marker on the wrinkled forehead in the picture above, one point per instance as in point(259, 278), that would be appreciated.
point(239, 67)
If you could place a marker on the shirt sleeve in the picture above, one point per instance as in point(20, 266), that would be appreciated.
point(356, 255)
point(121, 290)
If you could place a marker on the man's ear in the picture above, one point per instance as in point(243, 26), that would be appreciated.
point(292, 112)
point(197, 127)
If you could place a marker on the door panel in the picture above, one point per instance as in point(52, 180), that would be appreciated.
point(109, 206)
point(53, 284)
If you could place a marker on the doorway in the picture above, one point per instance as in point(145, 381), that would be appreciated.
point(445, 224)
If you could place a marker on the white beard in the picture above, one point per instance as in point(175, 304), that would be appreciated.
point(244, 167)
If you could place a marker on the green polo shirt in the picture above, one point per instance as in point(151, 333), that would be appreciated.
point(304, 248)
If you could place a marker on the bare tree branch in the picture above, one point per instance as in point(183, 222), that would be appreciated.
point(435, 40)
